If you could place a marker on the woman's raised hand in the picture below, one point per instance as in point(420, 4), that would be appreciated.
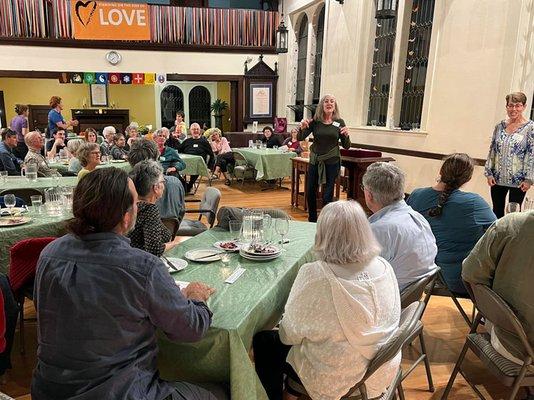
point(305, 123)
point(344, 131)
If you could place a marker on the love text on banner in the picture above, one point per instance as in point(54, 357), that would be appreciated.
point(100, 20)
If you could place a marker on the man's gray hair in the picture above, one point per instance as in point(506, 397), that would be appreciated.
point(385, 181)
point(73, 145)
point(141, 150)
point(145, 175)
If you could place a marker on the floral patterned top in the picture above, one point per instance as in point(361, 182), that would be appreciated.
point(511, 156)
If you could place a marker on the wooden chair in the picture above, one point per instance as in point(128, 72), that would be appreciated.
point(408, 324)
point(412, 293)
point(493, 308)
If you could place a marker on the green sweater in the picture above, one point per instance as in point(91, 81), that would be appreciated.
point(325, 138)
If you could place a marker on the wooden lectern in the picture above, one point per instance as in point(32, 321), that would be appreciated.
point(355, 162)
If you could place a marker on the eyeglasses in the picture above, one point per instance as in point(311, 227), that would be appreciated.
point(362, 187)
point(515, 105)
point(95, 152)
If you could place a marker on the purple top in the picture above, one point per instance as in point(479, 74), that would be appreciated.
point(17, 123)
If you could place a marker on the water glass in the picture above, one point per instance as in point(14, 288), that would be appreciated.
point(513, 207)
point(235, 229)
point(251, 143)
point(3, 176)
point(104, 159)
point(37, 202)
point(275, 147)
point(226, 258)
point(10, 200)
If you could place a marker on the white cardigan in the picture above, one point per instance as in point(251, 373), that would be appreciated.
point(336, 318)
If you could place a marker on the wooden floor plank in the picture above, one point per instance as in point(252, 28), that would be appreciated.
point(445, 330)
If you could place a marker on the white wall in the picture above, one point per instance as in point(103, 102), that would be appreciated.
point(481, 50)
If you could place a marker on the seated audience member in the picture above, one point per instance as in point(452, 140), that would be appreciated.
point(89, 156)
point(149, 233)
point(57, 143)
point(292, 143)
point(73, 146)
point(223, 154)
point(172, 204)
point(132, 134)
point(199, 146)
point(8, 161)
point(270, 139)
point(327, 340)
point(90, 135)
point(458, 219)
point(404, 235)
point(35, 143)
point(99, 302)
point(169, 158)
point(503, 260)
point(118, 151)
point(109, 134)
point(180, 128)
point(176, 137)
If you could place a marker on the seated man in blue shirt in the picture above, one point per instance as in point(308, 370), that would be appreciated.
point(405, 236)
point(99, 302)
point(8, 161)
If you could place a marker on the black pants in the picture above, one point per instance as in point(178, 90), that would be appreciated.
point(498, 198)
point(223, 160)
point(270, 359)
point(332, 172)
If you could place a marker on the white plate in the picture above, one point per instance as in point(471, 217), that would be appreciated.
point(277, 251)
point(252, 258)
point(178, 263)
point(219, 243)
point(201, 255)
point(15, 221)
point(117, 161)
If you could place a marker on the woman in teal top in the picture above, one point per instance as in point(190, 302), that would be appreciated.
point(325, 160)
point(458, 219)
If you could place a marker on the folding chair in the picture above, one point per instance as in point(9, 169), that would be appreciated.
point(208, 208)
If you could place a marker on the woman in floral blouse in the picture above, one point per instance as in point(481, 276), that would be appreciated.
point(510, 163)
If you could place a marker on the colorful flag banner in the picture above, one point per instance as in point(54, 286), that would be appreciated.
point(77, 77)
point(162, 78)
point(65, 77)
point(101, 77)
point(138, 78)
point(114, 78)
point(150, 78)
point(126, 79)
point(89, 77)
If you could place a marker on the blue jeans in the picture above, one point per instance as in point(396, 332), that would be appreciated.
point(332, 172)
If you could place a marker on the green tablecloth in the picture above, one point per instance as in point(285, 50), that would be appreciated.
point(194, 165)
point(64, 167)
point(17, 182)
point(40, 226)
point(254, 302)
point(270, 163)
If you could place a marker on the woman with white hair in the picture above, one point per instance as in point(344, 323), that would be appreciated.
point(73, 146)
point(341, 309)
point(325, 159)
point(149, 233)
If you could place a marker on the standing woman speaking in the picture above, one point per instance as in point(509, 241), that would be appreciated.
point(510, 163)
point(325, 159)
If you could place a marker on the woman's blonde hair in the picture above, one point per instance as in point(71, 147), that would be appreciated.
point(319, 111)
point(344, 235)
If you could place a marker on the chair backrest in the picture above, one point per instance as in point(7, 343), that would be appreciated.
point(227, 214)
point(24, 194)
point(172, 225)
point(495, 309)
point(210, 204)
point(414, 291)
point(23, 260)
point(18, 201)
point(239, 158)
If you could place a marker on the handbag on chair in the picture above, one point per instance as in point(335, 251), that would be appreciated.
point(280, 124)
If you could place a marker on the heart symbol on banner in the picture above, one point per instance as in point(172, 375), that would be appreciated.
point(85, 11)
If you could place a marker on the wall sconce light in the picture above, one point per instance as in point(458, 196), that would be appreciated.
point(386, 9)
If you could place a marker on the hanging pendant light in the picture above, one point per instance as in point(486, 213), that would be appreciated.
point(281, 34)
point(386, 9)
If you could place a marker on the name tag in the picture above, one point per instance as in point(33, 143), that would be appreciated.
point(336, 124)
point(162, 158)
point(195, 145)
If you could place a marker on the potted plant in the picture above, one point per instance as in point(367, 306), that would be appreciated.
point(218, 108)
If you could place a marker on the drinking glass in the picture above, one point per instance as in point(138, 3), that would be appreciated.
point(235, 229)
point(275, 147)
point(104, 159)
point(3, 176)
point(513, 207)
point(10, 201)
point(37, 202)
point(251, 143)
point(282, 228)
point(226, 258)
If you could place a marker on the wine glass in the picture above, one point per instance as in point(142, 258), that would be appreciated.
point(282, 228)
point(10, 201)
point(513, 207)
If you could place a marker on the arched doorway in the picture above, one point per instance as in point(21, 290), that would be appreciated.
point(172, 101)
point(199, 106)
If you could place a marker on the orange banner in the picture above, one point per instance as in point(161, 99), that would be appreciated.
point(98, 20)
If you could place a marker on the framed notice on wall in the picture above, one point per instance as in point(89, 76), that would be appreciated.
point(261, 104)
point(99, 95)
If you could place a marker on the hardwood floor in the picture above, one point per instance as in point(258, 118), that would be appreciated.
point(445, 330)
